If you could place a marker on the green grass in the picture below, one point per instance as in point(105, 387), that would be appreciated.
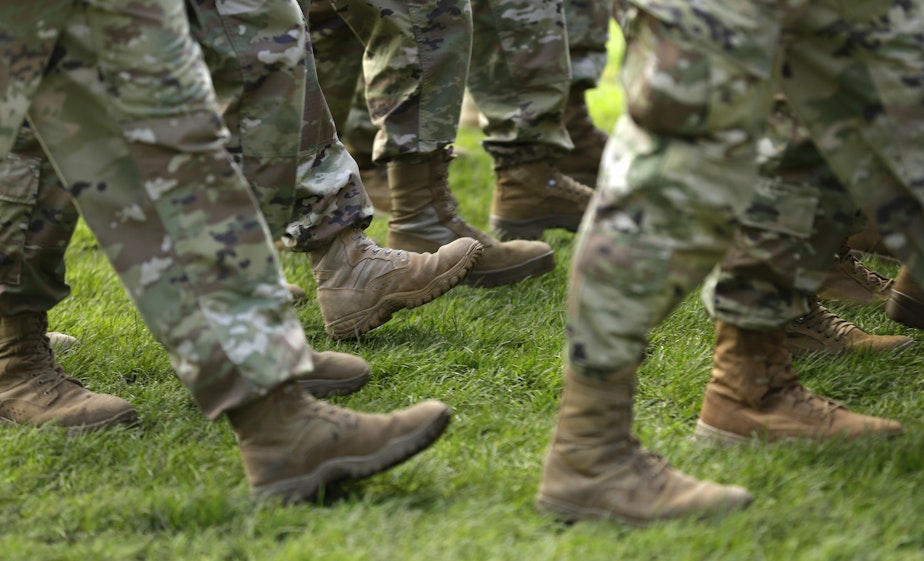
point(173, 488)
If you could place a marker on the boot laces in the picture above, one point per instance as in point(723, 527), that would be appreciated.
point(566, 187)
point(867, 276)
point(823, 321)
point(39, 359)
point(301, 401)
point(367, 244)
point(815, 405)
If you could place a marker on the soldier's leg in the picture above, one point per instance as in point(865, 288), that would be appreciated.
point(177, 220)
point(662, 216)
point(798, 220)
point(414, 70)
point(519, 78)
point(588, 33)
point(39, 220)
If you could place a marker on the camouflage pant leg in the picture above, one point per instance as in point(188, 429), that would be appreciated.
point(338, 55)
point(520, 78)
point(38, 219)
point(854, 78)
point(30, 30)
point(676, 172)
point(329, 194)
point(416, 58)
point(801, 215)
point(141, 148)
point(256, 54)
point(588, 33)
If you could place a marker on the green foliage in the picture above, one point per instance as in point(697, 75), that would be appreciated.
point(173, 488)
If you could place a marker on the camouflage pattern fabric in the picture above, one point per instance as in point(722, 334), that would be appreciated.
point(141, 147)
point(416, 59)
point(681, 167)
point(588, 33)
point(800, 216)
point(520, 78)
point(307, 186)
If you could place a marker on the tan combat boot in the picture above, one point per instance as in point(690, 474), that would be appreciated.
point(849, 280)
point(361, 285)
point(293, 445)
point(906, 303)
point(583, 162)
point(822, 331)
point(534, 197)
point(424, 218)
point(335, 374)
point(34, 390)
point(754, 393)
point(595, 468)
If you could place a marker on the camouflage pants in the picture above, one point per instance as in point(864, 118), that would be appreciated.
point(520, 80)
point(283, 137)
point(800, 216)
point(416, 59)
point(141, 148)
point(681, 165)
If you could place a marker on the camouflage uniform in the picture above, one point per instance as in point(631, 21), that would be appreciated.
point(415, 67)
point(308, 193)
point(588, 34)
point(520, 84)
point(800, 216)
point(680, 168)
point(148, 170)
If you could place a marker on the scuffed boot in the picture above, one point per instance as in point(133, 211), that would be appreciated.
point(424, 218)
point(849, 280)
point(754, 393)
point(820, 330)
point(906, 303)
point(583, 162)
point(335, 374)
point(361, 285)
point(596, 469)
point(292, 445)
point(533, 197)
point(34, 390)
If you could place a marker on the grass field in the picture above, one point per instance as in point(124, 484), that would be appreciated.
point(173, 488)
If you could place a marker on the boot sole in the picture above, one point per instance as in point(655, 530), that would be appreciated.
point(128, 418)
point(356, 324)
point(707, 433)
point(905, 310)
point(570, 513)
point(305, 488)
point(506, 229)
point(321, 388)
point(535, 267)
